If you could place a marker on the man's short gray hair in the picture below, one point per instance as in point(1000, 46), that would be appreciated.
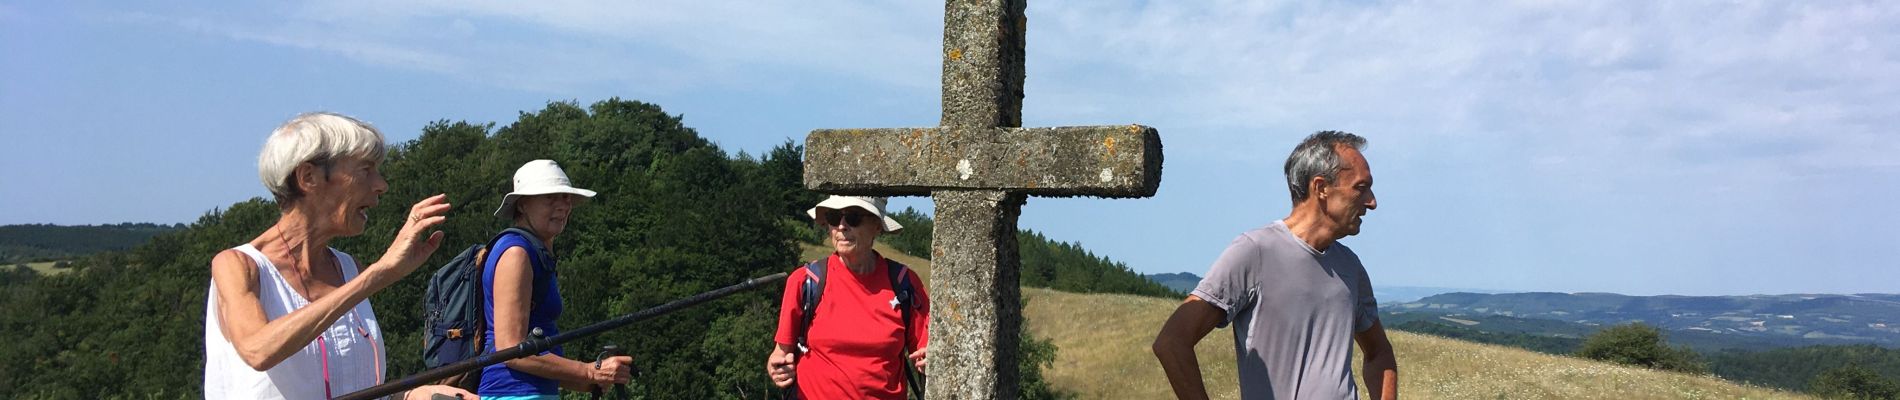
point(319, 138)
point(1318, 155)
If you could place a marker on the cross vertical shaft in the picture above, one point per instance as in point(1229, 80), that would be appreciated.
point(983, 63)
point(979, 301)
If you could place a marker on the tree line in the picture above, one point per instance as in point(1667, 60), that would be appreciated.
point(45, 242)
point(1046, 263)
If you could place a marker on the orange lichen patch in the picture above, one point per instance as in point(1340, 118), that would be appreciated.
point(956, 54)
point(1108, 146)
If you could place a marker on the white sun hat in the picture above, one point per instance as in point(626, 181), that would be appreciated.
point(538, 177)
point(873, 204)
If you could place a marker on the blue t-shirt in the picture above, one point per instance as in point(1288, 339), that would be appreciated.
point(498, 380)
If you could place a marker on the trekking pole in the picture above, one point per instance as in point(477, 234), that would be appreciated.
point(916, 380)
point(536, 345)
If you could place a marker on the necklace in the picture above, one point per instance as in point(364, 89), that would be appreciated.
point(295, 260)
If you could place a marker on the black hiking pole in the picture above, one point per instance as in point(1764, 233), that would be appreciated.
point(536, 345)
point(916, 380)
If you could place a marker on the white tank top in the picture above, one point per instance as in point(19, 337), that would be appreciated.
point(349, 352)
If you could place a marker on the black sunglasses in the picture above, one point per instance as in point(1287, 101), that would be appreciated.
point(850, 218)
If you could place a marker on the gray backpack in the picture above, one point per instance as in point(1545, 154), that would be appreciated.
point(452, 315)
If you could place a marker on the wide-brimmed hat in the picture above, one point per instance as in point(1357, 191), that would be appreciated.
point(873, 204)
point(538, 177)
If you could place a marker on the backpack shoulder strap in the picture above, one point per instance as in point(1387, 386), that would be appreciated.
point(536, 255)
point(809, 293)
point(905, 294)
point(900, 284)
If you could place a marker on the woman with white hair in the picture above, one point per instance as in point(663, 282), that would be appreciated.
point(288, 317)
point(520, 293)
point(852, 324)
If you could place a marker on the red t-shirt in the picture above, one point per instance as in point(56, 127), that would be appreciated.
point(856, 351)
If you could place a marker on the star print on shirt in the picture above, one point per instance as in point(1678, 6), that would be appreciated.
point(893, 302)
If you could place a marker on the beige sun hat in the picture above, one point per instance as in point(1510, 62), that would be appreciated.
point(538, 177)
point(873, 204)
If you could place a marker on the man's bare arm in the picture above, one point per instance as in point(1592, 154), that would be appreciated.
point(1381, 368)
point(1174, 345)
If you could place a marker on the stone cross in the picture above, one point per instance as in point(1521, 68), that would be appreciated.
point(978, 166)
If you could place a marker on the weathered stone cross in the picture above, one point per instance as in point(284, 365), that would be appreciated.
point(979, 166)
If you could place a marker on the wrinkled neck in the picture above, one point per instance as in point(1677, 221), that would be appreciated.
point(1311, 226)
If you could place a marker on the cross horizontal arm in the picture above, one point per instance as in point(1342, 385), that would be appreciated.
point(1105, 161)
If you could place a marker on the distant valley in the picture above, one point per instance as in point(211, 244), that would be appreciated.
point(1706, 322)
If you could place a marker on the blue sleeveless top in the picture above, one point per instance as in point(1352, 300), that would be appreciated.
point(498, 380)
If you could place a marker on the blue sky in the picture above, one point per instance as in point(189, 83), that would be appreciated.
point(1623, 146)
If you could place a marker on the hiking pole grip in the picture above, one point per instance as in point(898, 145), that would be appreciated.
point(620, 390)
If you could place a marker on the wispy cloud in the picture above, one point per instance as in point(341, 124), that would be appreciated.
point(1642, 86)
point(562, 46)
point(366, 49)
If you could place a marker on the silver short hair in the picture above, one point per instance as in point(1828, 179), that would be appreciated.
point(319, 138)
point(1317, 155)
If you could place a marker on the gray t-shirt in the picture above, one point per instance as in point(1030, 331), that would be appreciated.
point(1294, 310)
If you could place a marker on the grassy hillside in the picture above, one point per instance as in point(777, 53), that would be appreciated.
point(1103, 341)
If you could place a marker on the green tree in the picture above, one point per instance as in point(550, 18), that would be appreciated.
point(1853, 382)
point(1795, 368)
point(1641, 345)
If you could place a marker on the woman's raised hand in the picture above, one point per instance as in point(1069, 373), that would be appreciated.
point(416, 241)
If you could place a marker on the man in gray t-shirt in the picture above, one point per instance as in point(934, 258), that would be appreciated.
point(1297, 298)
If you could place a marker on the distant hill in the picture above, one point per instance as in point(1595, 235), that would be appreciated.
point(46, 242)
point(1180, 281)
point(1406, 294)
point(1756, 321)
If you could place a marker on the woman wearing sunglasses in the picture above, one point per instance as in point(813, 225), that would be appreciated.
point(855, 343)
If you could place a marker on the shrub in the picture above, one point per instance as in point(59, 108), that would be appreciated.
point(1640, 345)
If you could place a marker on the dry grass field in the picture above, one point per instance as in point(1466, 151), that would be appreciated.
point(1102, 352)
point(46, 268)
